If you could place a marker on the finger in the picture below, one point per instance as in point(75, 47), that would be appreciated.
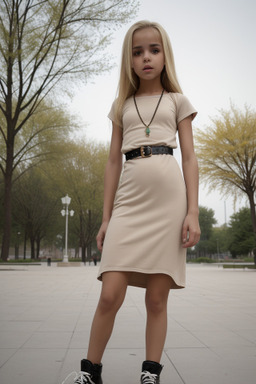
point(99, 246)
point(188, 244)
point(99, 239)
point(192, 240)
point(184, 235)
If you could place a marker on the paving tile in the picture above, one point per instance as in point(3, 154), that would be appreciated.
point(242, 354)
point(19, 326)
point(56, 323)
point(248, 334)
point(120, 366)
point(6, 354)
point(221, 339)
point(27, 366)
point(49, 340)
point(80, 339)
point(182, 339)
point(202, 365)
point(46, 315)
point(196, 320)
point(13, 339)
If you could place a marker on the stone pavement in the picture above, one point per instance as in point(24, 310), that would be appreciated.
point(46, 313)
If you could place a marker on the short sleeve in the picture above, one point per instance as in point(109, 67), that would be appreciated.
point(111, 114)
point(184, 108)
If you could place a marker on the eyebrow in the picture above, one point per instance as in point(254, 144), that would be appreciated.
point(151, 45)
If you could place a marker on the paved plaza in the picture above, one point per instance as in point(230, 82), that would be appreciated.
point(46, 313)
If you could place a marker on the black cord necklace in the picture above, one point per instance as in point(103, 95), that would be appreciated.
point(147, 130)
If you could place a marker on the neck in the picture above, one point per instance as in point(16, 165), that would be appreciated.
point(149, 88)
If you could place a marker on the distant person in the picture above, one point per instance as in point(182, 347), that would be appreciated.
point(151, 216)
point(94, 258)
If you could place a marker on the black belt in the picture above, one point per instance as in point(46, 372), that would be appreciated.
point(148, 150)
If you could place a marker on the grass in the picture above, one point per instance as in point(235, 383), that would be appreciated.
point(239, 266)
point(21, 261)
point(202, 260)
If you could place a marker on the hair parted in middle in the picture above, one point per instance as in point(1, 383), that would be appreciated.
point(129, 81)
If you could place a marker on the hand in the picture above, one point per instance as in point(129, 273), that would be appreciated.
point(101, 235)
point(190, 231)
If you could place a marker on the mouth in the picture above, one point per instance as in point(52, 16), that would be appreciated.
point(147, 68)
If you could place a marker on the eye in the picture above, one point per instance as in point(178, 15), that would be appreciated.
point(136, 53)
point(155, 51)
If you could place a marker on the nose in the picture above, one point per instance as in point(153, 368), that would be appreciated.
point(146, 57)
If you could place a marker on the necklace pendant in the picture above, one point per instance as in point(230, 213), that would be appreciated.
point(147, 131)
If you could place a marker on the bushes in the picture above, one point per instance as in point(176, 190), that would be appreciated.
point(203, 260)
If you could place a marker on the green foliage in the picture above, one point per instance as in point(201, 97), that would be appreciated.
point(227, 154)
point(203, 260)
point(34, 209)
point(45, 46)
point(80, 175)
point(52, 42)
point(227, 151)
point(37, 139)
point(218, 242)
point(241, 237)
point(238, 266)
point(79, 172)
point(21, 261)
point(206, 221)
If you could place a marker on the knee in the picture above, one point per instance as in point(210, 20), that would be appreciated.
point(109, 302)
point(156, 304)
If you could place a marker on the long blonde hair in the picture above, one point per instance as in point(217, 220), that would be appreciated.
point(129, 81)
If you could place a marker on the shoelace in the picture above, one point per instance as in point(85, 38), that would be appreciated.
point(148, 378)
point(80, 378)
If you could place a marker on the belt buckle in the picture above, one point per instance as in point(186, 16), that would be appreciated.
point(146, 151)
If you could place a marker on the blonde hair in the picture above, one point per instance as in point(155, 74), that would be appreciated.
point(129, 81)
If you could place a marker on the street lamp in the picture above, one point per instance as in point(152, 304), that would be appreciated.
point(65, 212)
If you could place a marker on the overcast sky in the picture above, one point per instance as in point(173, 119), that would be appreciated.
point(214, 44)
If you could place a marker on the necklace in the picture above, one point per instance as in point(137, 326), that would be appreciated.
point(147, 130)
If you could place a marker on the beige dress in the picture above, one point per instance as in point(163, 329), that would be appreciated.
point(144, 233)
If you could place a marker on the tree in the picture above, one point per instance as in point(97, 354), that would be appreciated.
point(81, 175)
point(45, 45)
point(227, 154)
point(218, 242)
point(36, 142)
point(34, 208)
point(206, 221)
point(241, 235)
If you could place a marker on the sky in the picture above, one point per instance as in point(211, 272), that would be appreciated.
point(214, 45)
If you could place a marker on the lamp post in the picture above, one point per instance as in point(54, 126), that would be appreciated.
point(65, 212)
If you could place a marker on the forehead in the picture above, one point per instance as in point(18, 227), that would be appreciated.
point(146, 36)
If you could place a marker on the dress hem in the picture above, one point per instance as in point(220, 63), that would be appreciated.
point(139, 277)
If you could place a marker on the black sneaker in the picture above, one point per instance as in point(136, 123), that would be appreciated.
point(89, 374)
point(84, 378)
point(78, 378)
point(150, 372)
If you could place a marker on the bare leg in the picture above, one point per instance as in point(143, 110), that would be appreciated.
point(158, 288)
point(114, 285)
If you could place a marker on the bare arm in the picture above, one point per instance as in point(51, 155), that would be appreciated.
point(191, 229)
point(111, 179)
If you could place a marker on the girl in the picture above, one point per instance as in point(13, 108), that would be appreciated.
point(150, 217)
